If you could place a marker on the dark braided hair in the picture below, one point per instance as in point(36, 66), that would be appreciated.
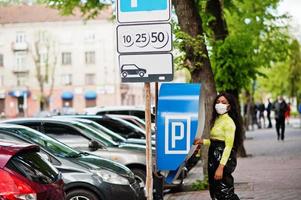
point(233, 113)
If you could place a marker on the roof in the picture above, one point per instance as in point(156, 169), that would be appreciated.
point(8, 149)
point(41, 13)
point(94, 110)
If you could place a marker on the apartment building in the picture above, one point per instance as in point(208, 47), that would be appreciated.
point(74, 59)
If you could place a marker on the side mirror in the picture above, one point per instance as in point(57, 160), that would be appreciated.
point(94, 145)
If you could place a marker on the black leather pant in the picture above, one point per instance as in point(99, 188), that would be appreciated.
point(221, 189)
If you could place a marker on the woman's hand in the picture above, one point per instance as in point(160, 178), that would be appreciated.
point(219, 172)
point(198, 141)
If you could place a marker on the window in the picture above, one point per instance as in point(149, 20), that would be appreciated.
point(90, 79)
point(22, 79)
point(20, 61)
point(90, 57)
point(21, 37)
point(67, 79)
point(89, 36)
point(1, 60)
point(66, 58)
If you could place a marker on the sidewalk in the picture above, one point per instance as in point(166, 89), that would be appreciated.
point(272, 172)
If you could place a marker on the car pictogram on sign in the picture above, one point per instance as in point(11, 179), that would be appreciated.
point(132, 69)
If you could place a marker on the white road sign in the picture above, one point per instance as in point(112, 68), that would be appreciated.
point(144, 38)
point(131, 11)
point(146, 67)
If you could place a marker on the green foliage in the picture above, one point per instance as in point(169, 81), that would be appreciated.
point(284, 78)
point(184, 41)
point(88, 8)
point(201, 184)
point(257, 38)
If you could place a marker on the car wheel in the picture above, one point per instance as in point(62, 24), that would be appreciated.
point(81, 195)
point(140, 175)
point(141, 74)
point(124, 74)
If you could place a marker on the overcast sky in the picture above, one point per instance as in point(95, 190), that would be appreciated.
point(293, 8)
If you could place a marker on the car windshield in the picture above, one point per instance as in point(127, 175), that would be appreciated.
point(50, 144)
point(101, 137)
point(103, 130)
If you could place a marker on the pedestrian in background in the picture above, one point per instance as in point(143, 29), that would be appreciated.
point(253, 110)
point(223, 143)
point(280, 107)
point(269, 109)
point(288, 113)
point(261, 109)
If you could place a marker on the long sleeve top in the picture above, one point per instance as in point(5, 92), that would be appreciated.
point(223, 130)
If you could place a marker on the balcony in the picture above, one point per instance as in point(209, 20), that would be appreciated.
point(20, 70)
point(23, 46)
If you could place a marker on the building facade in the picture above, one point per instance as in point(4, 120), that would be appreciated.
point(74, 61)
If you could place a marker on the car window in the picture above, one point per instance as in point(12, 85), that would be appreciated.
point(101, 137)
point(33, 167)
point(33, 125)
point(129, 67)
point(50, 158)
point(104, 131)
point(122, 127)
point(5, 136)
point(66, 135)
point(115, 126)
point(51, 145)
point(118, 112)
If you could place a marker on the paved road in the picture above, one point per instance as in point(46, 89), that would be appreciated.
point(272, 172)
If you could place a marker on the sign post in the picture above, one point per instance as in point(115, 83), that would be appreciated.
point(144, 43)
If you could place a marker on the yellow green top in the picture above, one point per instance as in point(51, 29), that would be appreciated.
point(224, 130)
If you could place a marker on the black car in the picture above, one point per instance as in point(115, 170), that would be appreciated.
point(86, 176)
point(132, 69)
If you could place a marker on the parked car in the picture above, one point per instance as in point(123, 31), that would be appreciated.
point(119, 110)
point(117, 125)
point(26, 175)
point(131, 119)
point(103, 130)
point(84, 138)
point(86, 176)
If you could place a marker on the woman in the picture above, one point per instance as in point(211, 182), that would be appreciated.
point(223, 142)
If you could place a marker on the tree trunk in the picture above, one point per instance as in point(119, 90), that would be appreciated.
point(218, 24)
point(190, 22)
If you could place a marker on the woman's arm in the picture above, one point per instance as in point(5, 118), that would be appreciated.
point(229, 130)
point(201, 141)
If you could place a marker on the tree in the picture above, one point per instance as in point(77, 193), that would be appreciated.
point(45, 59)
point(284, 78)
point(191, 42)
point(88, 8)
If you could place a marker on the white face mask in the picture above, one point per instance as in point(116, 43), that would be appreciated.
point(221, 108)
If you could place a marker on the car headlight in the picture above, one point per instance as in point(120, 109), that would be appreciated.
point(111, 177)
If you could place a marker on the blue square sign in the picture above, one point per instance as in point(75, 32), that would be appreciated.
point(134, 11)
point(142, 5)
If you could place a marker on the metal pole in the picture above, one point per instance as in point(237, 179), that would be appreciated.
point(149, 163)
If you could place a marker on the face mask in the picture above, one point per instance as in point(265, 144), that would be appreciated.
point(221, 108)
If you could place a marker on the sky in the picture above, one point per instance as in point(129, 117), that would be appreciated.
point(293, 8)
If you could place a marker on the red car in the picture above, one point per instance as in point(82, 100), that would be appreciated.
point(26, 176)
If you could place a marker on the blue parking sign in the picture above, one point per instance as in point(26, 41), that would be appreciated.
point(177, 124)
point(142, 5)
